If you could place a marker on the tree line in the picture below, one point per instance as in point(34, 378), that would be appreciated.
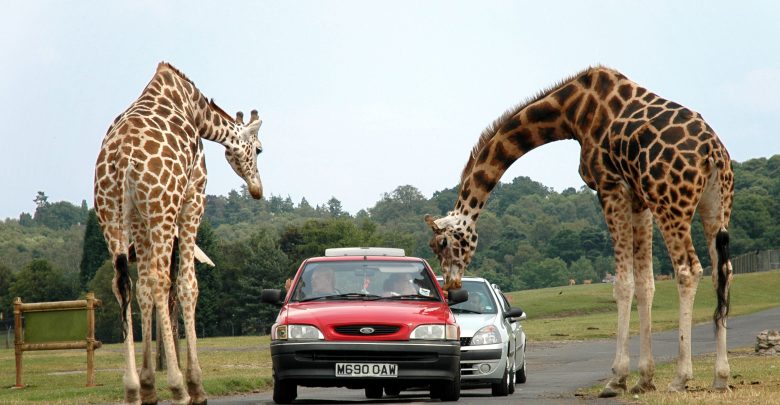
point(530, 237)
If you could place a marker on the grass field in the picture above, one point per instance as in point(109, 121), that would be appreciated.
point(240, 365)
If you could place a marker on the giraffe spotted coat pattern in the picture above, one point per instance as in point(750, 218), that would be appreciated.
point(648, 159)
point(150, 179)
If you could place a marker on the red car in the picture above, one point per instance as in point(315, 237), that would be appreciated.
point(365, 318)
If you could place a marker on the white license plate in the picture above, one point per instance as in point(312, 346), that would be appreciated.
point(366, 370)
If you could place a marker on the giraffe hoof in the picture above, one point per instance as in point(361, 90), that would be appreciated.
point(149, 402)
point(642, 388)
point(677, 387)
point(612, 390)
point(204, 402)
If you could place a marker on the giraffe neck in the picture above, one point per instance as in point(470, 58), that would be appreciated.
point(578, 108)
point(209, 120)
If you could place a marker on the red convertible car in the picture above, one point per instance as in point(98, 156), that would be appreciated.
point(365, 318)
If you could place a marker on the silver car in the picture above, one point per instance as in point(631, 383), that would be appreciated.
point(492, 341)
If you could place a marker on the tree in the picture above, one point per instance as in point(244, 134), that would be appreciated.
point(40, 282)
point(95, 251)
point(334, 208)
point(6, 298)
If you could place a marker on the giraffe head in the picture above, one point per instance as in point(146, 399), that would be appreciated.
point(453, 243)
point(242, 152)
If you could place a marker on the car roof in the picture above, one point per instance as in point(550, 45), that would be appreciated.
point(356, 258)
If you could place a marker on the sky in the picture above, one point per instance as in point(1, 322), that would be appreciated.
point(360, 97)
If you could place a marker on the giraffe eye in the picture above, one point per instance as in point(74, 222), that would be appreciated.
point(258, 150)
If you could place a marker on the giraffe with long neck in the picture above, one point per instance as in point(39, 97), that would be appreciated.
point(150, 179)
point(648, 159)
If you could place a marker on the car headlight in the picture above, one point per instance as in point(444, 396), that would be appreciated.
point(486, 336)
point(436, 332)
point(293, 332)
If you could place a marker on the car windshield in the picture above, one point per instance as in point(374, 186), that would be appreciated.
point(365, 280)
point(480, 300)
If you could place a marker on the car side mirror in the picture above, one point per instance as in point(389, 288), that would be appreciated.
point(272, 296)
point(456, 296)
point(515, 314)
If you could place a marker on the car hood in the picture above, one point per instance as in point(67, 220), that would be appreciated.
point(409, 313)
point(471, 323)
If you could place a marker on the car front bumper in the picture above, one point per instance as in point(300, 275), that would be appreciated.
point(313, 363)
point(474, 359)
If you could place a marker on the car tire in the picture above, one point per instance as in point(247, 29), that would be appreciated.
point(501, 388)
point(520, 379)
point(392, 390)
point(446, 390)
point(374, 392)
point(511, 385)
point(285, 392)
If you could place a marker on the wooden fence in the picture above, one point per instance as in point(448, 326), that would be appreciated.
point(753, 262)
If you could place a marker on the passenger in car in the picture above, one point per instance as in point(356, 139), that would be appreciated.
point(398, 284)
point(323, 282)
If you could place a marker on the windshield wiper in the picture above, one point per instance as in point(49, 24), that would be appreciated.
point(343, 296)
point(464, 310)
point(410, 297)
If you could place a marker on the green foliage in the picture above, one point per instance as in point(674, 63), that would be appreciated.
point(95, 251)
point(39, 281)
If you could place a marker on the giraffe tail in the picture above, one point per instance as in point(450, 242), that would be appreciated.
point(124, 286)
point(722, 289)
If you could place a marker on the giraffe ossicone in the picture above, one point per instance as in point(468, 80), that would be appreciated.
point(648, 159)
point(150, 180)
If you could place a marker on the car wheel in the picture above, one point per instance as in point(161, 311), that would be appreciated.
point(520, 379)
point(501, 389)
point(374, 391)
point(392, 390)
point(446, 390)
point(511, 382)
point(285, 392)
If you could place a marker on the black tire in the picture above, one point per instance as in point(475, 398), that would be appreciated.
point(374, 391)
point(501, 389)
point(520, 379)
point(446, 390)
point(285, 392)
point(512, 382)
point(392, 390)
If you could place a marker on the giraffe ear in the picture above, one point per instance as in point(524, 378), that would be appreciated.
point(430, 221)
point(240, 118)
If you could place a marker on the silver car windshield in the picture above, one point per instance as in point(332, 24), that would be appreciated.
point(365, 279)
point(480, 300)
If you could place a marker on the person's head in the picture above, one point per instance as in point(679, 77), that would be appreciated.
point(399, 283)
point(322, 280)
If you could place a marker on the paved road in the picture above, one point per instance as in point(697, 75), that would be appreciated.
point(555, 371)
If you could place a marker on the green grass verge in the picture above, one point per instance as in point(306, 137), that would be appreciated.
point(755, 380)
point(230, 366)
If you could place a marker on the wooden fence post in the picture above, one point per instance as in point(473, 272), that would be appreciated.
point(18, 340)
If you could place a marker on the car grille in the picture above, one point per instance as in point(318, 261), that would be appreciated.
point(367, 355)
point(354, 330)
point(465, 341)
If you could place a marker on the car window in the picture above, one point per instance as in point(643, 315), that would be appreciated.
point(375, 278)
point(480, 299)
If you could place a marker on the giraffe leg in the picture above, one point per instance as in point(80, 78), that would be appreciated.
point(688, 270)
point(645, 290)
point(161, 267)
point(617, 212)
point(146, 305)
point(714, 220)
point(187, 290)
point(122, 287)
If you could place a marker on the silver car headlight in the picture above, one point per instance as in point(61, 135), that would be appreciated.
point(435, 332)
point(295, 332)
point(486, 336)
